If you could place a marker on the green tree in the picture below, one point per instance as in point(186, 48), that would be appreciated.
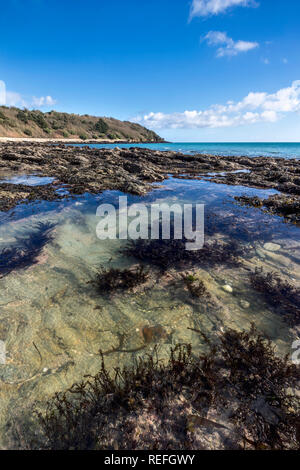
point(101, 126)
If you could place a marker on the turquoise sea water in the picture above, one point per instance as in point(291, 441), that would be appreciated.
point(286, 150)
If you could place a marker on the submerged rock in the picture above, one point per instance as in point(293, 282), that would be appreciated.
point(244, 303)
point(153, 333)
point(272, 247)
point(227, 288)
point(280, 294)
point(278, 204)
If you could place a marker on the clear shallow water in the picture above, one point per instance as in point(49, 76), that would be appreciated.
point(284, 150)
point(29, 180)
point(54, 323)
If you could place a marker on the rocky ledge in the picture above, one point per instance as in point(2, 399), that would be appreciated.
point(132, 170)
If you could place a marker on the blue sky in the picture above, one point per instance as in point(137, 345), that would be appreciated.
point(173, 65)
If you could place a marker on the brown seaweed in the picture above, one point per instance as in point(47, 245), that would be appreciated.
point(195, 286)
point(278, 204)
point(169, 253)
point(26, 250)
point(280, 294)
point(113, 279)
point(240, 373)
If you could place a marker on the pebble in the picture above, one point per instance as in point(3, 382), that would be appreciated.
point(244, 304)
point(227, 288)
point(293, 392)
point(272, 247)
point(45, 369)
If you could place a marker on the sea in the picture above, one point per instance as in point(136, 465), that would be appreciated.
point(264, 149)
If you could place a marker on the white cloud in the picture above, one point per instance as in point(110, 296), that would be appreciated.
point(43, 101)
point(255, 107)
point(227, 46)
point(214, 7)
point(12, 98)
point(2, 93)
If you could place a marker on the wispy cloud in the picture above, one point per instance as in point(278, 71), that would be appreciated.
point(226, 46)
point(13, 98)
point(43, 101)
point(215, 7)
point(2, 92)
point(255, 107)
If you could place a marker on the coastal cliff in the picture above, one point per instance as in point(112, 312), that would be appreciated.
point(23, 123)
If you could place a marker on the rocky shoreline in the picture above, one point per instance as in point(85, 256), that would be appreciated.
point(211, 395)
point(82, 170)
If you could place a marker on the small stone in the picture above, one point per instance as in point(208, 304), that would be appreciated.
point(272, 247)
point(227, 288)
point(244, 303)
point(294, 392)
point(45, 369)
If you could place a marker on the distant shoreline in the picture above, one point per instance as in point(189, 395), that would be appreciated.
point(76, 141)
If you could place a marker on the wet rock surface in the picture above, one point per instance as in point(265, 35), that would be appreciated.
point(280, 204)
point(83, 169)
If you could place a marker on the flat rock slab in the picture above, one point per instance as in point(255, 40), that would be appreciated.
point(132, 170)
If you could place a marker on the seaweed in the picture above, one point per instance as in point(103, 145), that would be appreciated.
point(26, 250)
point(148, 404)
point(195, 286)
point(280, 294)
point(168, 253)
point(238, 227)
point(13, 194)
point(113, 279)
point(261, 380)
point(253, 201)
point(254, 367)
point(278, 204)
point(119, 347)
